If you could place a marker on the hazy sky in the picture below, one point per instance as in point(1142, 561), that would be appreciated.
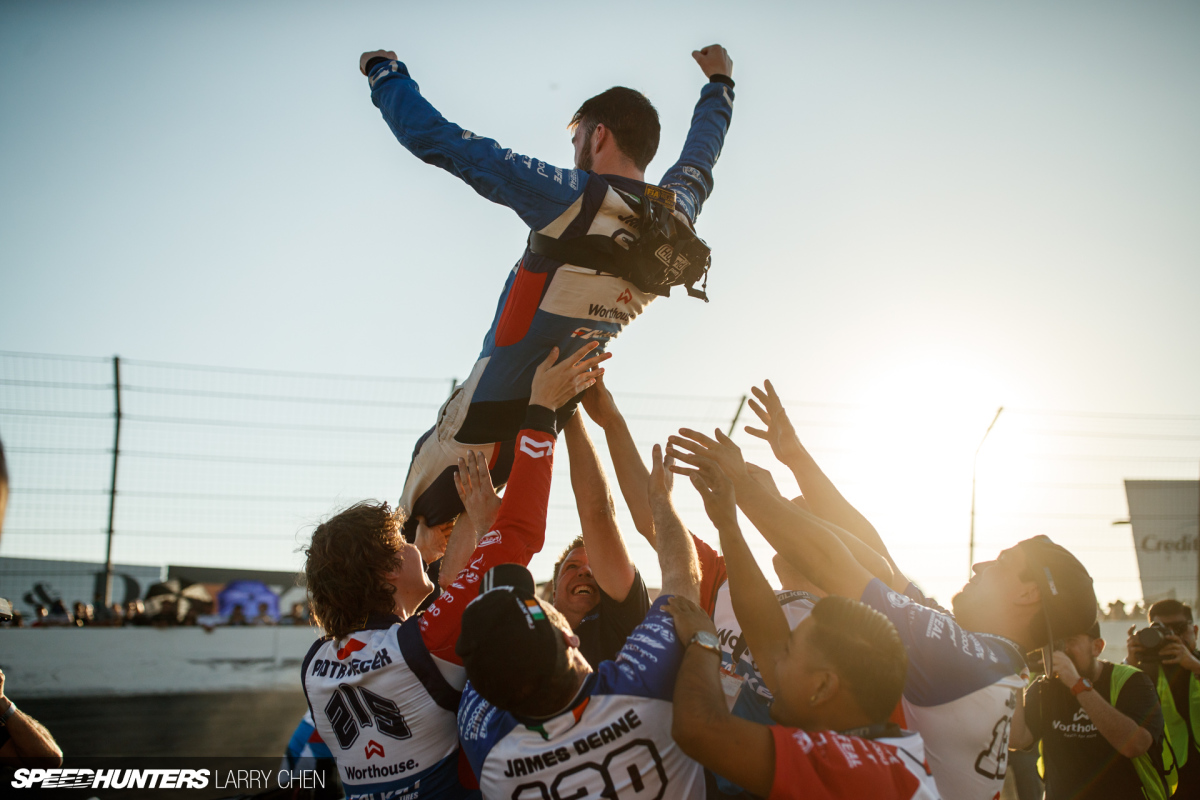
point(923, 211)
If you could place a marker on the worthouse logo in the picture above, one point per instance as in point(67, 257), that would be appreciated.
point(535, 448)
point(625, 297)
point(374, 748)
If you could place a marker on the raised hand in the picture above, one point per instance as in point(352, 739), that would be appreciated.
point(662, 478)
point(388, 54)
point(780, 434)
point(599, 404)
point(555, 384)
point(474, 485)
point(714, 60)
point(693, 447)
point(716, 490)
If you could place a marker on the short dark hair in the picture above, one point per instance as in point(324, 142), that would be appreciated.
point(346, 565)
point(1169, 608)
point(631, 118)
point(865, 650)
point(575, 544)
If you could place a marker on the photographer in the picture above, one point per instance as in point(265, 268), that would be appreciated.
point(1166, 652)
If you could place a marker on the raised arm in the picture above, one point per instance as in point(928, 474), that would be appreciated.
point(822, 495)
point(553, 385)
point(609, 560)
point(632, 475)
point(795, 534)
point(737, 749)
point(764, 624)
point(676, 551)
point(538, 192)
point(1126, 735)
point(691, 176)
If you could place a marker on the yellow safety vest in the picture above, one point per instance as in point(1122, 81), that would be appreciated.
point(1175, 727)
point(1155, 785)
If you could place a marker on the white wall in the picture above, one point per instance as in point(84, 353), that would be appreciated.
point(59, 662)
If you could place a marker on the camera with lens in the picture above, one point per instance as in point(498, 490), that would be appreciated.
point(1152, 640)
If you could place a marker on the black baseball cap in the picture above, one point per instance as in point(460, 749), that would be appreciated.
point(509, 646)
point(1068, 597)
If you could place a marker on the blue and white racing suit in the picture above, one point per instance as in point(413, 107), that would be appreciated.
point(545, 303)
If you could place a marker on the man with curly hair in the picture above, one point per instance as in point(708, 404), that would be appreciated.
point(384, 684)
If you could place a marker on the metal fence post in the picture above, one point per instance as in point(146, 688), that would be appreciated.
point(112, 493)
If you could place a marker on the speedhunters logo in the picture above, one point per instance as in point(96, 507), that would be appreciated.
point(257, 779)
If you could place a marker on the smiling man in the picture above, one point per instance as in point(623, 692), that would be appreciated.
point(595, 585)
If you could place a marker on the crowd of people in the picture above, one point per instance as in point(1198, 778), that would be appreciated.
point(159, 612)
point(445, 673)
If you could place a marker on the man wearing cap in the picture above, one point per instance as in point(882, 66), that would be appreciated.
point(384, 685)
point(966, 669)
point(537, 721)
point(1175, 669)
point(1099, 724)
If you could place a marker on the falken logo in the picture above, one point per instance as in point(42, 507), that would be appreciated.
point(374, 748)
point(491, 538)
point(352, 646)
point(591, 333)
point(625, 297)
point(535, 448)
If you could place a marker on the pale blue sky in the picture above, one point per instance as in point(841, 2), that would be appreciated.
point(931, 209)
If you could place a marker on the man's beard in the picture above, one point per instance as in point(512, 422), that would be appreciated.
point(965, 606)
point(585, 157)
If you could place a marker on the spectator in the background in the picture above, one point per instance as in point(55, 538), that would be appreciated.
point(264, 616)
point(135, 613)
point(84, 615)
point(237, 616)
point(297, 616)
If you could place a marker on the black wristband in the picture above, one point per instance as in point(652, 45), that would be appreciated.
point(714, 78)
point(539, 418)
point(375, 61)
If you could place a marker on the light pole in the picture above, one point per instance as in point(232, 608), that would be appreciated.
point(974, 470)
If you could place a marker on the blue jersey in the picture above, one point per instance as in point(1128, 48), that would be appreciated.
point(960, 693)
point(613, 741)
point(544, 303)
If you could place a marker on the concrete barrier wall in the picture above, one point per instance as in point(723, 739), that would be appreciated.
point(65, 662)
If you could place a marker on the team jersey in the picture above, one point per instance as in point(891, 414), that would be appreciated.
point(960, 693)
point(385, 698)
point(613, 741)
point(745, 692)
point(544, 303)
point(835, 766)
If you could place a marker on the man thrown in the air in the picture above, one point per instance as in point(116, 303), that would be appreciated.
point(562, 292)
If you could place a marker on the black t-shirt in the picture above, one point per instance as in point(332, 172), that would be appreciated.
point(603, 632)
point(1080, 763)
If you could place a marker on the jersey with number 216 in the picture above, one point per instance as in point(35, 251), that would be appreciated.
point(613, 742)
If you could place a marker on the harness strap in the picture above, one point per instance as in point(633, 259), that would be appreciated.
point(417, 656)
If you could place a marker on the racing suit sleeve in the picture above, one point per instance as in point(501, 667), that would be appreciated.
point(517, 536)
point(691, 176)
point(537, 191)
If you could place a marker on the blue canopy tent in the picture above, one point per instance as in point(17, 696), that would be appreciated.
point(247, 594)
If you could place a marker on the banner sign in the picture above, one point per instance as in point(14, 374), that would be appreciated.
point(1165, 517)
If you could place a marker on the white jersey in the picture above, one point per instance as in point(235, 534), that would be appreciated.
point(960, 693)
point(615, 740)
